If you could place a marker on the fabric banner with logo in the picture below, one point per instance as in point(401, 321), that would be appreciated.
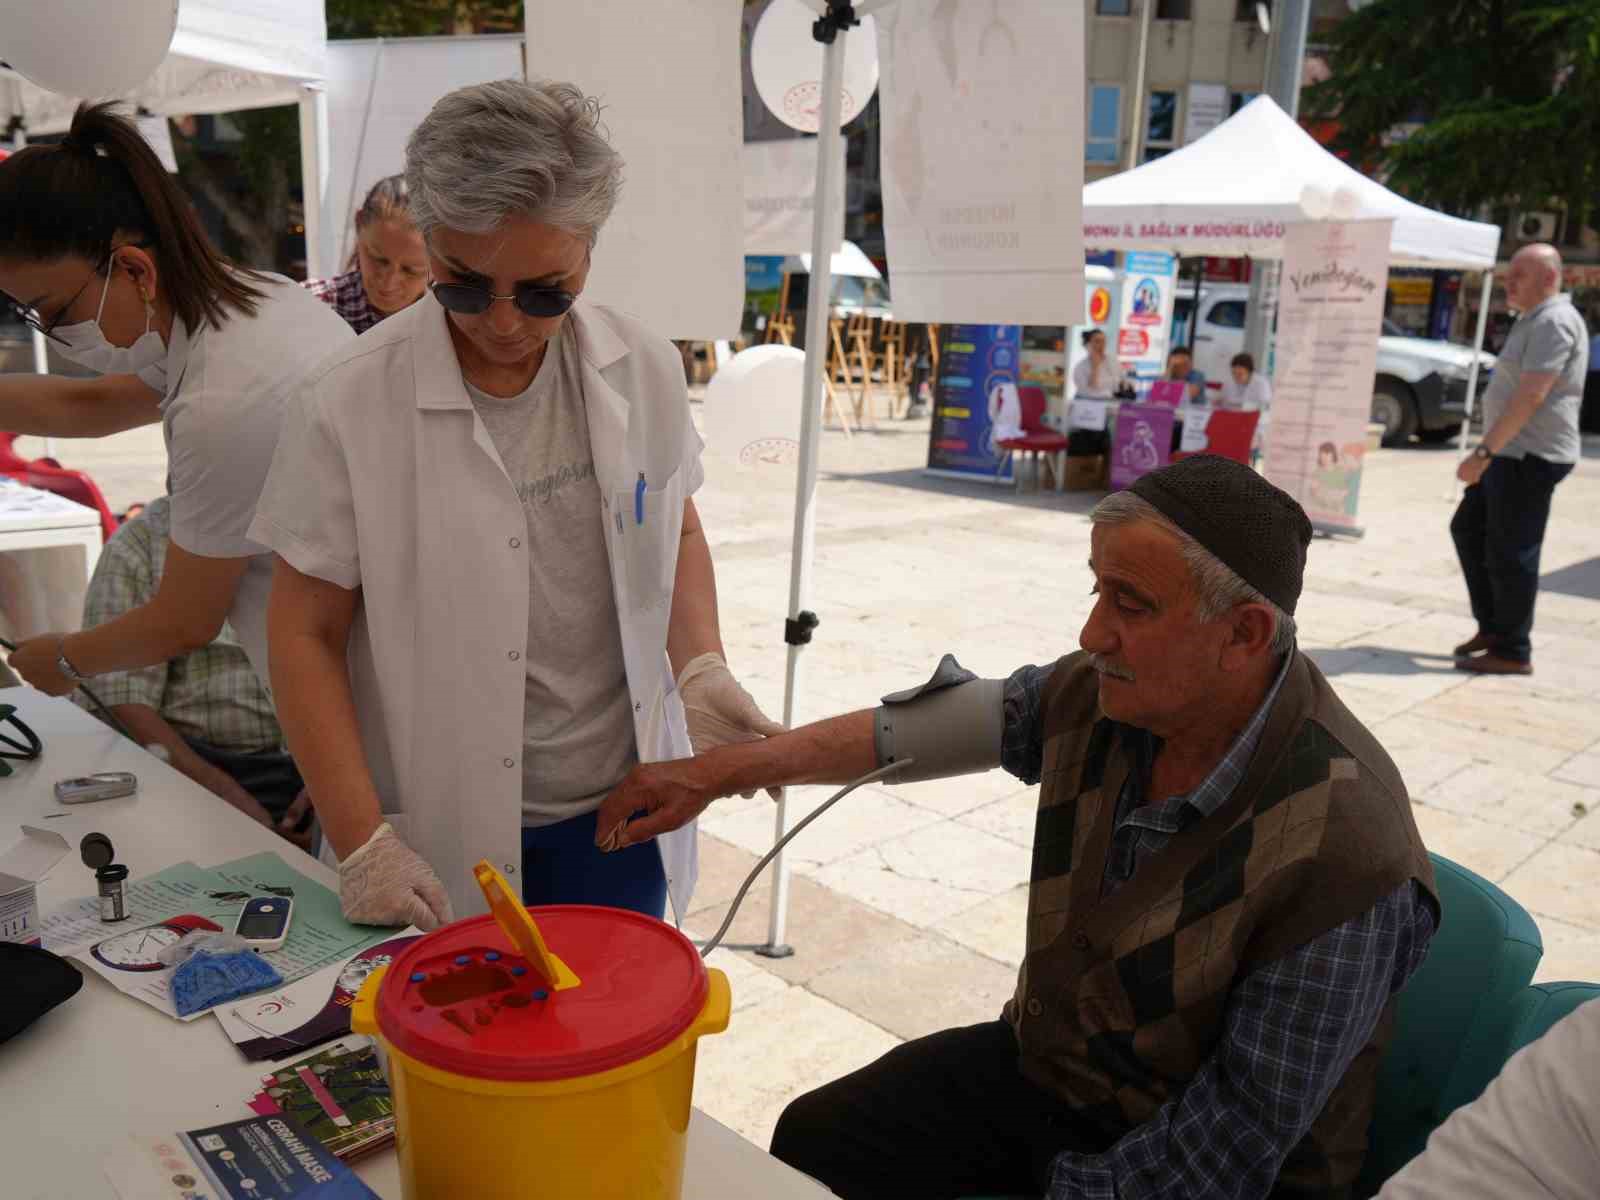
point(982, 122)
point(780, 190)
point(976, 393)
point(1148, 281)
point(1330, 315)
point(1142, 442)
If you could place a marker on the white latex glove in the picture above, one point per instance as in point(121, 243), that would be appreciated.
point(718, 710)
point(385, 882)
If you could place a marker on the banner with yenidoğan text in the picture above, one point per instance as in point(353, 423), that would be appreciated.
point(1330, 315)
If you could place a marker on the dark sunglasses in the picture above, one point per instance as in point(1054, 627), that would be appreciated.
point(531, 299)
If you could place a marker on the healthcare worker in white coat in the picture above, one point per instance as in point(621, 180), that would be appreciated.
point(493, 594)
point(100, 250)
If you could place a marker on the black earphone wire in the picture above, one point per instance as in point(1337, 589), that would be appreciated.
point(99, 705)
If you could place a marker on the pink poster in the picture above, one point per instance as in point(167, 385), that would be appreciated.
point(1142, 442)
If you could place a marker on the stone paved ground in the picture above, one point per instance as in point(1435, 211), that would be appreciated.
point(908, 904)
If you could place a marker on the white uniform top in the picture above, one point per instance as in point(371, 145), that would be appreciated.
point(226, 392)
point(386, 479)
point(1254, 396)
point(1110, 376)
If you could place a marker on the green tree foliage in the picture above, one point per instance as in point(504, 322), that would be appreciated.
point(1466, 103)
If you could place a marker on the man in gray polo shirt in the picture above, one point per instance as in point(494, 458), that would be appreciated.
point(1531, 444)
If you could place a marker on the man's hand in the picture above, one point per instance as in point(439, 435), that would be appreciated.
point(385, 882)
point(1471, 469)
point(718, 710)
point(670, 794)
point(35, 661)
point(288, 826)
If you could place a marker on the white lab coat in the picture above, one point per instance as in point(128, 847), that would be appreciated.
point(386, 479)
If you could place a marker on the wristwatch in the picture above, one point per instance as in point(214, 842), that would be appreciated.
point(62, 665)
point(1482, 451)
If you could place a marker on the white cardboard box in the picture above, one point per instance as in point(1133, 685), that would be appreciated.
point(21, 869)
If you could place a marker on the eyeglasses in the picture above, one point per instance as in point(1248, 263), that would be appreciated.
point(531, 299)
point(33, 319)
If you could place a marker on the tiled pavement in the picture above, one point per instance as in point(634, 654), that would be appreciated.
point(907, 904)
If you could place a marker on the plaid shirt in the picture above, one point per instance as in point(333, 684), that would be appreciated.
point(348, 296)
point(211, 695)
point(1292, 1028)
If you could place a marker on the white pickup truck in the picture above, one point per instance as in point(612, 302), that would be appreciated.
point(1420, 387)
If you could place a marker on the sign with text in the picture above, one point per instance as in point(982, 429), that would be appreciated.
point(1142, 442)
point(982, 122)
point(976, 362)
point(1148, 278)
point(1330, 315)
point(780, 188)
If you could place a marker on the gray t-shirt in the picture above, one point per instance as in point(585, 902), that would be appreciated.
point(1549, 338)
point(577, 716)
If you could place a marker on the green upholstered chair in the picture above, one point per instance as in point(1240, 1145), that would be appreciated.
point(1543, 1004)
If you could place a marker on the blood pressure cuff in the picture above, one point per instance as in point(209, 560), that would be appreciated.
point(32, 982)
point(951, 725)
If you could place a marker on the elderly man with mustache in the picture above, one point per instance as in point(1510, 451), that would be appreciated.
point(1228, 889)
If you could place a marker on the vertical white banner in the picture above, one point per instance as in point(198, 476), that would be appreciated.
point(1330, 314)
point(667, 76)
point(780, 191)
point(982, 119)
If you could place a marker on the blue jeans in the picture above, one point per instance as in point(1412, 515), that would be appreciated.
point(1498, 531)
point(562, 865)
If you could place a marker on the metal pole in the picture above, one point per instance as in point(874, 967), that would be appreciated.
point(1472, 375)
point(41, 355)
point(1286, 54)
point(314, 172)
point(817, 311)
point(1136, 130)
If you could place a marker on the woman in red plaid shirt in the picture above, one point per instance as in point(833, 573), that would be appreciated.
point(389, 268)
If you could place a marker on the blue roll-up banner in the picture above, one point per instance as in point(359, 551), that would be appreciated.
point(974, 361)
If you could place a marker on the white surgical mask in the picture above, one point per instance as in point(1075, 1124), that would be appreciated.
point(86, 345)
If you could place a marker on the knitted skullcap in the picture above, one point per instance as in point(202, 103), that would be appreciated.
point(1258, 530)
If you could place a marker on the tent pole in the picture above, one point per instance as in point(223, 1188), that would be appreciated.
point(361, 146)
point(314, 172)
point(1135, 130)
point(1472, 374)
point(829, 162)
point(41, 354)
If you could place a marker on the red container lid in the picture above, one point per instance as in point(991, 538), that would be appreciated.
point(463, 1000)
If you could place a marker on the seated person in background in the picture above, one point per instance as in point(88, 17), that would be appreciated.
point(1228, 887)
point(207, 708)
point(1098, 376)
point(1180, 366)
point(1535, 1131)
point(388, 270)
point(1245, 390)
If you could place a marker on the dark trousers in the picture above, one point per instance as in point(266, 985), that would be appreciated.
point(947, 1115)
point(1498, 531)
point(562, 865)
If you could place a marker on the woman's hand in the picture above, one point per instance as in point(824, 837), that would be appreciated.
point(35, 660)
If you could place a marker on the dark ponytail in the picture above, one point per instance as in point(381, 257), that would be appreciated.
point(101, 180)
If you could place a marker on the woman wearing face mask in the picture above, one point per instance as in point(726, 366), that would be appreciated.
point(389, 268)
point(100, 251)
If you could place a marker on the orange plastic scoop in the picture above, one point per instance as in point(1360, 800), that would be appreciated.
point(519, 926)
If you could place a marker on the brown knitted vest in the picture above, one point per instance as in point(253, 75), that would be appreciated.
point(1120, 1001)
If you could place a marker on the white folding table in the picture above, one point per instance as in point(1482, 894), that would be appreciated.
point(43, 577)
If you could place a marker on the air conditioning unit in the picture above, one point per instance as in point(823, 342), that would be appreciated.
point(1536, 226)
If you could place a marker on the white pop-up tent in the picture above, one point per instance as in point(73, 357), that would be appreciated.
point(226, 55)
point(1235, 192)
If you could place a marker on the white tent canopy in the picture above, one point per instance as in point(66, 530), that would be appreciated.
point(1233, 192)
point(226, 55)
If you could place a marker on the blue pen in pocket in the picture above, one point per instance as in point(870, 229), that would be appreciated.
point(638, 500)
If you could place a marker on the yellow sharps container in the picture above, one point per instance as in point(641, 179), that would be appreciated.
point(554, 1060)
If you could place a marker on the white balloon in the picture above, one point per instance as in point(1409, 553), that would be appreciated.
point(1315, 202)
point(786, 62)
point(753, 407)
point(87, 49)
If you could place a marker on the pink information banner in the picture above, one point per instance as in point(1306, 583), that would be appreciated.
point(1330, 314)
point(1142, 442)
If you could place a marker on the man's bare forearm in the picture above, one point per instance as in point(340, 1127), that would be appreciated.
point(149, 726)
point(836, 750)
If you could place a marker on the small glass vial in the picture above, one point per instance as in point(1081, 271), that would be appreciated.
point(113, 881)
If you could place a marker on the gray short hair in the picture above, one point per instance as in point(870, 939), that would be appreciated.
point(513, 149)
point(1218, 586)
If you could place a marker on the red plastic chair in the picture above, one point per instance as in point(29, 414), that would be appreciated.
point(50, 476)
point(1037, 437)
